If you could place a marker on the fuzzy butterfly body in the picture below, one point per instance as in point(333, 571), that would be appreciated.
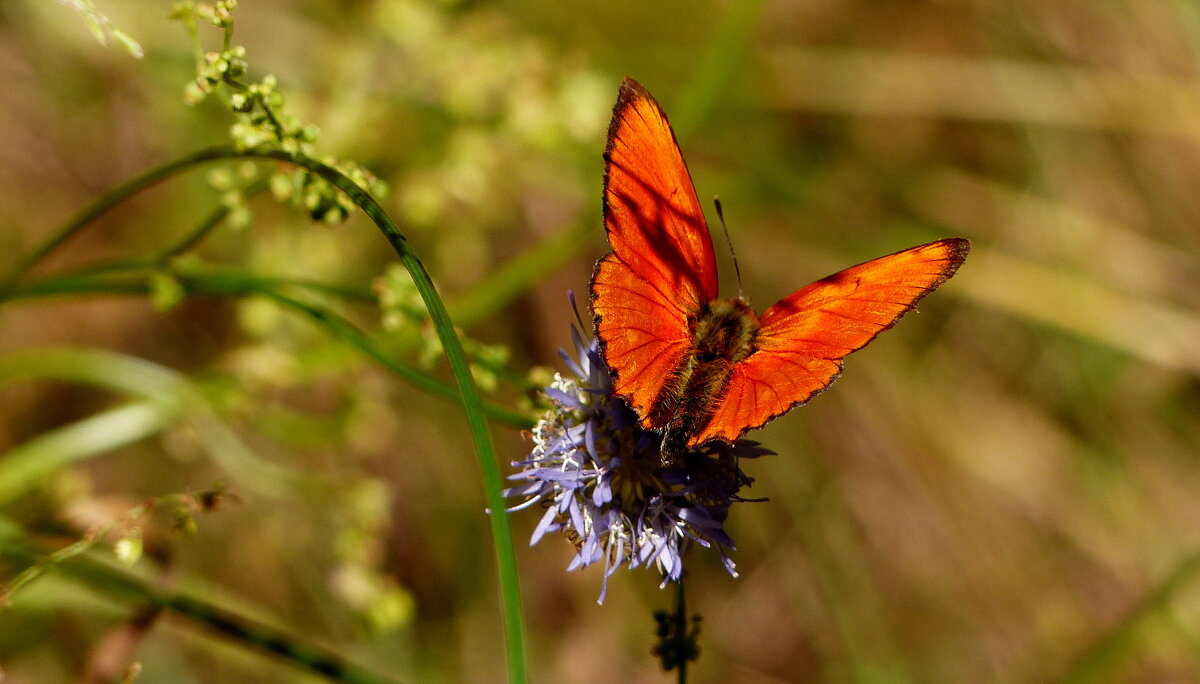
point(692, 365)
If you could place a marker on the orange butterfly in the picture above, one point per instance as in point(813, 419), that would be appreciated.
point(700, 368)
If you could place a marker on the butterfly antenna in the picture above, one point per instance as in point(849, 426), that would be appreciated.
point(729, 241)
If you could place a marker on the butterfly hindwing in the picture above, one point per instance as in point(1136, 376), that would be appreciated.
point(643, 332)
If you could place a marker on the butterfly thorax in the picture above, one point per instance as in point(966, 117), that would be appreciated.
point(723, 333)
point(725, 329)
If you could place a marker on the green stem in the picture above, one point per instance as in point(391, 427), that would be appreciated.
point(343, 329)
point(114, 581)
point(164, 257)
point(130, 277)
point(510, 590)
point(107, 201)
point(681, 625)
point(231, 283)
point(207, 225)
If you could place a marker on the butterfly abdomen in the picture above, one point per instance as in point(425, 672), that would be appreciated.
point(723, 334)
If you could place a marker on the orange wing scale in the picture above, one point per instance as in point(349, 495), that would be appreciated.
point(662, 267)
point(803, 338)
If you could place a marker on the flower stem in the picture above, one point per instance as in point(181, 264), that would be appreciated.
point(681, 624)
point(676, 644)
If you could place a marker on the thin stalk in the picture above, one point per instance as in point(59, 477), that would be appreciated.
point(345, 330)
point(207, 225)
point(107, 201)
point(681, 625)
point(229, 283)
point(510, 590)
point(121, 275)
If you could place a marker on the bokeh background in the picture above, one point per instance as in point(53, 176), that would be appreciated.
point(1001, 489)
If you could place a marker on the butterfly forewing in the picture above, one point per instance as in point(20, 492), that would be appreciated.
point(804, 337)
point(662, 268)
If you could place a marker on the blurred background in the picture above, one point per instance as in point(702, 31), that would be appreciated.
point(1001, 489)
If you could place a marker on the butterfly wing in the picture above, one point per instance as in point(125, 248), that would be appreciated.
point(803, 338)
point(661, 268)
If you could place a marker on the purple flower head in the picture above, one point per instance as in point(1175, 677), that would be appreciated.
point(599, 476)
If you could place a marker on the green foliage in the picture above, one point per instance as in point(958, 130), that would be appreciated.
point(328, 192)
point(261, 120)
point(216, 411)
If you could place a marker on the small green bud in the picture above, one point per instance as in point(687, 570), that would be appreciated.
point(311, 200)
point(290, 125)
point(391, 609)
point(182, 10)
point(239, 217)
point(247, 171)
point(126, 41)
point(220, 179)
point(166, 292)
point(484, 377)
point(185, 522)
point(128, 549)
point(194, 93)
point(282, 186)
